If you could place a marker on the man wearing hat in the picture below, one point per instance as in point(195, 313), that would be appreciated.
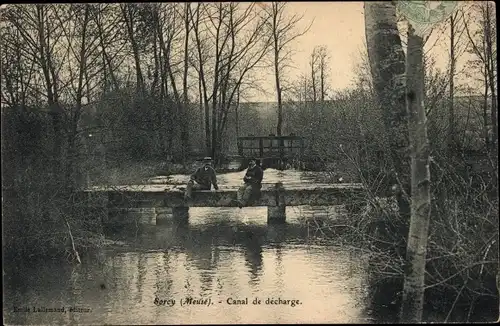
point(252, 183)
point(202, 178)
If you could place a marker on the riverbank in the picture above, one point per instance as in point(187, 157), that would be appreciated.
point(461, 268)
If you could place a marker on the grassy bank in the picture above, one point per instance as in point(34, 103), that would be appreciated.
point(49, 222)
point(462, 258)
point(462, 254)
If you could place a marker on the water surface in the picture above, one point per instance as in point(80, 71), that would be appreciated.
point(221, 254)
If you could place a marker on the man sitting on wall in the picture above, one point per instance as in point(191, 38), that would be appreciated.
point(202, 179)
point(252, 183)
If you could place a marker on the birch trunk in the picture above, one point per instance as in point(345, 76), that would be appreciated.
point(413, 292)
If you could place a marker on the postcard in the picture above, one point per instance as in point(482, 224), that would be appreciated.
point(249, 162)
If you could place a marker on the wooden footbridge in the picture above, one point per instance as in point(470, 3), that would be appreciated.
point(276, 197)
point(272, 151)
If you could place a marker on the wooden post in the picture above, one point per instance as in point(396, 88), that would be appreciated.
point(261, 148)
point(162, 214)
point(240, 147)
point(180, 213)
point(281, 153)
point(147, 218)
point(301, 153)
point(277, 214)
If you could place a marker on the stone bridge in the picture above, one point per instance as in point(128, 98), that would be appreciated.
point(274, 196)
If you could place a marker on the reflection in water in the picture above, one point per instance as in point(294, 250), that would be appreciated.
point(252, 245)
point(219, 254)
point(227, 259)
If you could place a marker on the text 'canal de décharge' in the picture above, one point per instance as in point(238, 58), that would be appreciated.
point(229, 301)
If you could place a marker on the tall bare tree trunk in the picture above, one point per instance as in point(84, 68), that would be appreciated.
point(200, 104)
point(313, 75)
point(485, 111)
point(451, 110)
point(82, 70)
point(236, 113)
point(277, 76)
point(107, 60)
point(322, 77)
point(154, 84)
point(185, 105)
point(45, 59)
point(202, 77)
point(128, 15)
point(283, 31)
point(413, 292)
point(216, 85)
point(387, 63)
point(491, 75)
point(278, 93)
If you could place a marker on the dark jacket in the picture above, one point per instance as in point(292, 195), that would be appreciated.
point(205, 176)
point(254, 175)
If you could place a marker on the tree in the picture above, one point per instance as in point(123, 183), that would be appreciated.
point(457, 28)
point(483, 47)
point(284, 31)
point(201, 45)
point(39, 32)
point(130, 14)
point(106, 24)
point(168, 24)
point(83, 45)
point(451, 110)
point(413, 292)
point(185, 99)
point(387, 65)
point(313, 63)
point(323, 63)
point(240, 43)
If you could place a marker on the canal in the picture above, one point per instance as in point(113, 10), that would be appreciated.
point(227, 265)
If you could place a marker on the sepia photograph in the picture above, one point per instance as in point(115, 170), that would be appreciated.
point(171, 163)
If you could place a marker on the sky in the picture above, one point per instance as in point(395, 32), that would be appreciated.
point(340, 27)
